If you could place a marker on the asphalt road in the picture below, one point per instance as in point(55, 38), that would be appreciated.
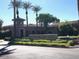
point(33, 52)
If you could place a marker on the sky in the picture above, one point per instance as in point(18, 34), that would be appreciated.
point(65, 10)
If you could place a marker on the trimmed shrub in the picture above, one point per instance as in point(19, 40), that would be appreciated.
point(60, 41)
point(23, 40)
point(70, 43)
point(41, 40)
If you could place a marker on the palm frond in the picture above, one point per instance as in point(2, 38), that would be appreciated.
point(17, 4)
point(36, 8)
point(26, 5)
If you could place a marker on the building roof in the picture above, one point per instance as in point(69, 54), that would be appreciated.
point(18, 19)
point(51, 25)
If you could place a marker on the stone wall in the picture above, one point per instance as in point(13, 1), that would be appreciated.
point(43, 36)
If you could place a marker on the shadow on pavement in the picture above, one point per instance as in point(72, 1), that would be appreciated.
point(5, 51)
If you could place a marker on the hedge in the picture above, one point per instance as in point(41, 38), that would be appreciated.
point(47, 43)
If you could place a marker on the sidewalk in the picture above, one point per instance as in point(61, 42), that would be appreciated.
point(2, 42)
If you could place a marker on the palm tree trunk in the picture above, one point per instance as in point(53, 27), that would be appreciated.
point(78, 6)
point(27, 22)
point(0, 27)
point(27, 18)
point(14, 35)
point(17, 13)
point(1, 22)
point(36, 19)
point(14, 9)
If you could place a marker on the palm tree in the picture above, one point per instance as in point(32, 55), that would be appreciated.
point(26, 6)
point(36, 9)
point(1, 22)
point(16, 4)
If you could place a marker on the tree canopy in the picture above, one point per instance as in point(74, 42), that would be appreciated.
point(17, 4)
point(47, 18)
point(26, 5)
point(68, 29)
point(36, 8)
